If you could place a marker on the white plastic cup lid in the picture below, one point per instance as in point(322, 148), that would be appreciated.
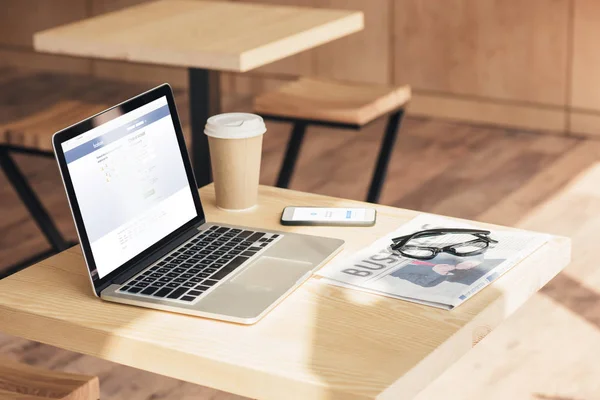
point(235, 126)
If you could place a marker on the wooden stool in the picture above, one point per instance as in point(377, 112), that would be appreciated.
point(23, 382)
point(342, 105)
point(33, 106)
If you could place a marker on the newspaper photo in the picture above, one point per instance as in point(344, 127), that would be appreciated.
point(444, 281)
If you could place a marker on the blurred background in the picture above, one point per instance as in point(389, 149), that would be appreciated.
point(503, 127)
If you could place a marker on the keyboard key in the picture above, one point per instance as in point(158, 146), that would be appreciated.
point(275, 236)
point(149, 290)
point(212, 257)
point(201, 287)
point(234, 252)
point(218, 252)
point(229, 234)
point(179, 280)
point(142, 284)
point(247, 243)
point(134, 290)
point(256, 236)
point(168, 258)
point(189, 252)
point(159, 284)
point(236, 240)
point(176, 261)
point(155, 275)
point(214, 235)
point(227, 269)
point(172, 285)
point(164, 270)
point(218, 243)
point(209, 282)
point(210, 270)
point(194, 292)
point(211, 248)
point(222, 229)
point(227, 257)
point(179, 270)
point(148, 280)
point(172, 275)
point(254, 248)
point(177, 293)
point(219, 262)
point(196, 280)
point(189, 284)
point(188, 298)
point(124, 289)
point(203, 275)
point(186, 276)
point(165, 279)
point(163, 292)
point(248, 253)
point(162, 263)
point(245, 234)
point(182, 258)
point(235, 230)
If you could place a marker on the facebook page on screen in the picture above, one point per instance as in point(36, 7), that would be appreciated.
point(130, 183)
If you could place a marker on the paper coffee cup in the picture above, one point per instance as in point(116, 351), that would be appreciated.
point(235, 141)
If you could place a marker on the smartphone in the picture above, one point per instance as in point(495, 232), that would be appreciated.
point(319, 216)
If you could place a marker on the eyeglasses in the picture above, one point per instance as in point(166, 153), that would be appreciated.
point(473, 247)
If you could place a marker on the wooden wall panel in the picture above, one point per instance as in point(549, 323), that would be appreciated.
point(364, 56)
point(586, 124)
point(521, 116)
point(511, 50)
point(585, 79)
point(20, 19)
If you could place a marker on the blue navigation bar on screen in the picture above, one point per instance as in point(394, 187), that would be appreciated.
point(112, 136)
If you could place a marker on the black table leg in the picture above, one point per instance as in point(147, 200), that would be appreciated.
point(205, 101)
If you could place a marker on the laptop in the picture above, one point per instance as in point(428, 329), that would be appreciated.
point(144, 235)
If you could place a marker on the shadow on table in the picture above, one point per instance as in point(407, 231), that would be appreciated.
point(365, 346)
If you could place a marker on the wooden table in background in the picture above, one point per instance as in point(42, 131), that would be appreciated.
point(321, 342)
point(204, 36)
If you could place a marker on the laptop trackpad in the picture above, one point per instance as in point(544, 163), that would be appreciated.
point(271, 271)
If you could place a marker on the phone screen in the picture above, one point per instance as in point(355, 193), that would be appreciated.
point(329, 214)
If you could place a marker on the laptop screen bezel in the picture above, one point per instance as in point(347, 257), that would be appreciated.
point(75, 130)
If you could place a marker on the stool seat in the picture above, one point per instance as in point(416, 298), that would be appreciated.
point(336, 102)
point(23, 382)
point(35, 105)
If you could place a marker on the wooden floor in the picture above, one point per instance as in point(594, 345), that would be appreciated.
point(441, 167)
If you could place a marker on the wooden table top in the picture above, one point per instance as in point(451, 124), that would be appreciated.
point(321, 342)
point(217, 35)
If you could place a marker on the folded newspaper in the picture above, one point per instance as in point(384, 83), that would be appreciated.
point(445, 281)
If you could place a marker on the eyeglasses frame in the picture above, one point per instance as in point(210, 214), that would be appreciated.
point(400, 243)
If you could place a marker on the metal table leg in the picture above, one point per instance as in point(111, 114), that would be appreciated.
point(205, 101)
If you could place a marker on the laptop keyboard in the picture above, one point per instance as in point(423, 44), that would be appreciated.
point(198, 265)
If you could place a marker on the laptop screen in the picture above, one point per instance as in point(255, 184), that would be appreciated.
point(130, 182)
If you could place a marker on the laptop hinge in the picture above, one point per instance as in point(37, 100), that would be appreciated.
point(151, 258)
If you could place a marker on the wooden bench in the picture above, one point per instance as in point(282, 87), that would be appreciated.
point(23, 382)
point(35, 105)
point(311, 101)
